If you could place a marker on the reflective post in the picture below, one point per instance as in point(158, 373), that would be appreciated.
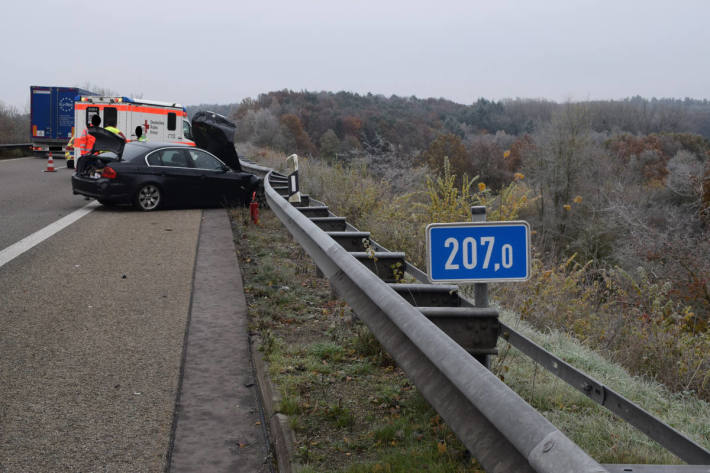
point(293, 180)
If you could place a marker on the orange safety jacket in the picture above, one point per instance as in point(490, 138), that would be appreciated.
point(84, 143)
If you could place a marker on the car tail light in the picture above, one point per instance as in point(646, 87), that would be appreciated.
point(109, 173)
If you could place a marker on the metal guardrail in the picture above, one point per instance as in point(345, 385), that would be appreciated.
point(501, 430)
point(504, 435)
point(670, 438)
point(673, 440)
point(15, 146)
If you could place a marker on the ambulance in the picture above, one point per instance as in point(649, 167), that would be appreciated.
point(164, 122)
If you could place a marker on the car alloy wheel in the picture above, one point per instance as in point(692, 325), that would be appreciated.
point(148, 197)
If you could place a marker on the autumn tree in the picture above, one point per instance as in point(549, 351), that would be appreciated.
point(563, 152)
point(329, 144)
point(296, 137)
point(351, 125)
point(488, 160)
point(447, 146)
point(14, 126)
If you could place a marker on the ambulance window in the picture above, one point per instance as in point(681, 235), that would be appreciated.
point(90, 112)
point(110, 116)
point(171, 121)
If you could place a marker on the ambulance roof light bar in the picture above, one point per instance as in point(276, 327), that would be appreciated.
point(95, 99)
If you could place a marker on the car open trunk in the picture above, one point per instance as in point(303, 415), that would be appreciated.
point(92, 165)
point(105, 141)
point(107, 147)
point(215, 133)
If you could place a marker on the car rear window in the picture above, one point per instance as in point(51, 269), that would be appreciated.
point(132, 152)
point(154, 159)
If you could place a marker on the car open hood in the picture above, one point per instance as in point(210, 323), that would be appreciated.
point(215, 133)
point(107, 141)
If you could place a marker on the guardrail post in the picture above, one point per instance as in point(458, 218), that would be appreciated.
point(480, 290)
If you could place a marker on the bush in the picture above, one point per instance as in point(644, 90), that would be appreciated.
point(645, 323)
point(630, 316)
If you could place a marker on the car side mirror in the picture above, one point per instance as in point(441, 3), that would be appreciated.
point(224, 168)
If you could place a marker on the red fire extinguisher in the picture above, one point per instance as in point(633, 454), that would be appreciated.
point(254, 209)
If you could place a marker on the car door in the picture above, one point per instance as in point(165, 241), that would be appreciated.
point(173, 171)
point(220, 185)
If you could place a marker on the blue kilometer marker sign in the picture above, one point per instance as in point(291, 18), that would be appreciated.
point(478, 252)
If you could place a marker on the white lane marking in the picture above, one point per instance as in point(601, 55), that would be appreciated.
point(15, 159)
point(16, 249)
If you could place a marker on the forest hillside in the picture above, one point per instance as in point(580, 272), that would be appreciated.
point(617, 194)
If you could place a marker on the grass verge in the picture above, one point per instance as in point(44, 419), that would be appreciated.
point(606, 438)
point(351, 408)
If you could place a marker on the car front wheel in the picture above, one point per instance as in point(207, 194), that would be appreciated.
point(148, 197)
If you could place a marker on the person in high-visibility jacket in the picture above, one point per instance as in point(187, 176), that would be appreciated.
point(69, 153)
point(139, 134)
point(85, 142)
point(111, 126)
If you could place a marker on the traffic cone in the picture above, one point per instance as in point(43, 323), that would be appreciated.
point(50, 164)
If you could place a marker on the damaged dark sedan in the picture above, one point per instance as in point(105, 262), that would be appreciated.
point(154, 175)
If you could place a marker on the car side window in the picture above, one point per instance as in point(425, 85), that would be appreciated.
point(202, 160)
point(154, 159)
point(176, 158)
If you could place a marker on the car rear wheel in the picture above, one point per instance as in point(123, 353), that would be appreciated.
point(148, 197)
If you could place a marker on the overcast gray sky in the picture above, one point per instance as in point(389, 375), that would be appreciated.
point(219, 51)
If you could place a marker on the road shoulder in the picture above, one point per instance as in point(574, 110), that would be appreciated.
point(219, 425)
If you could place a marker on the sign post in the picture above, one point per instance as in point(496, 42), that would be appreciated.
point(480, 289)
point(477, 253)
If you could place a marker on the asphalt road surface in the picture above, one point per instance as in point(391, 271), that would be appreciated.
point(92, 327)
point(30, 198)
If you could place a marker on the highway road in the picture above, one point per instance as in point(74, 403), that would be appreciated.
point(30, 198)
point(95, 307)
point(93, 321)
